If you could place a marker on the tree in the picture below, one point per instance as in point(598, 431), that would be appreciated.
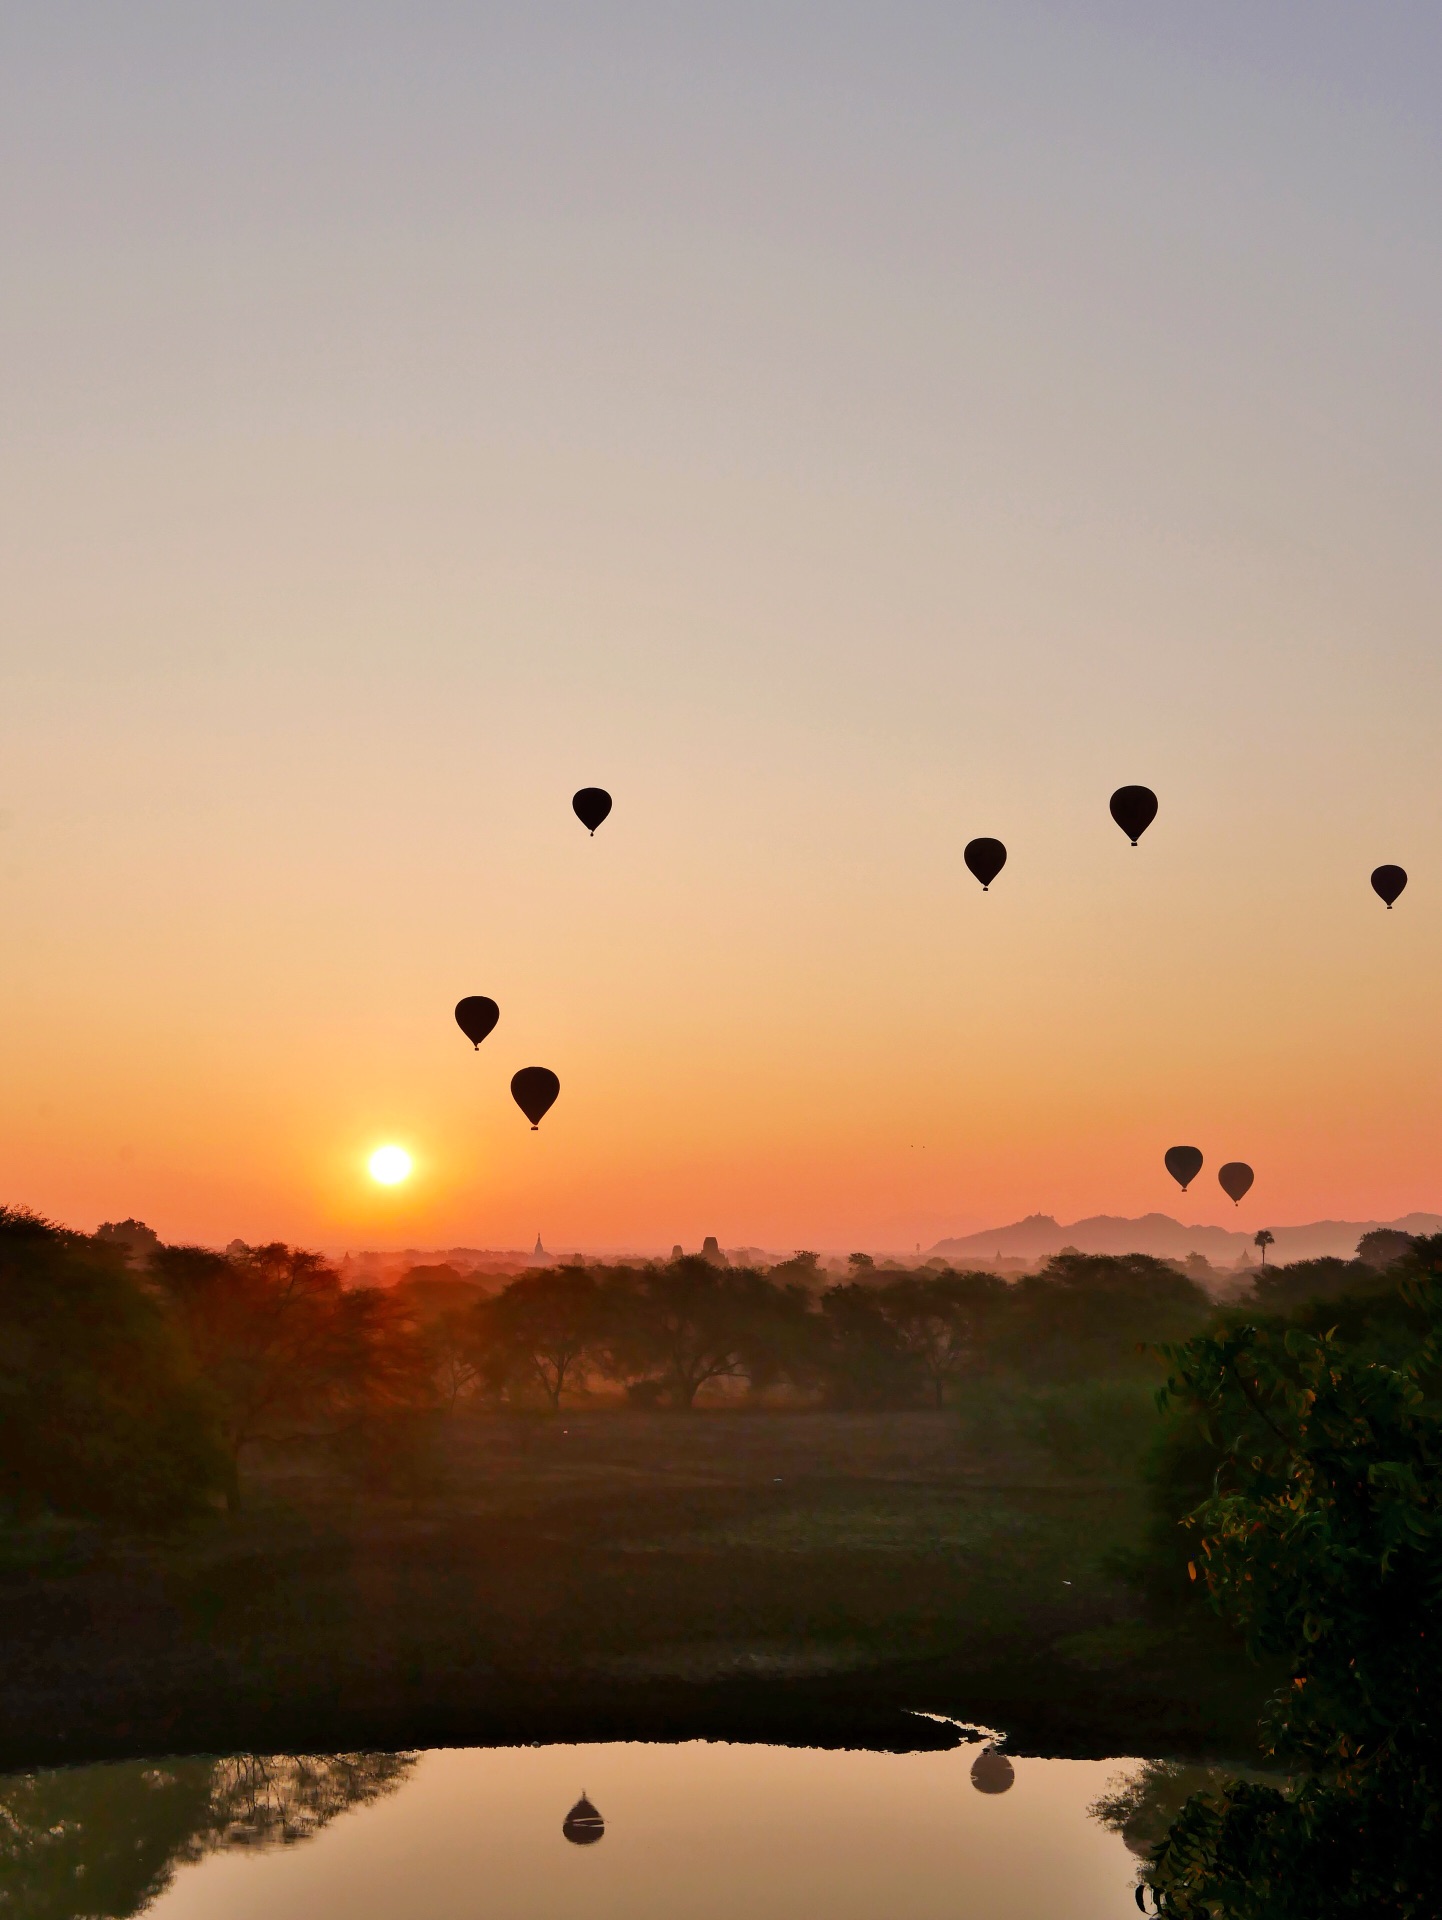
point(1263, 1239)
point(542, 1327)
point(1384, 1245)
point(1321, 1542)
point(688, 1323)
point(290, 1356)
point(450, 1341)
point(101, 1410)
point(867, 1362)
point(1086, 1316)
point(943, 1323)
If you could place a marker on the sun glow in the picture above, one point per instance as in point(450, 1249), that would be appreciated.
point(389, 1165)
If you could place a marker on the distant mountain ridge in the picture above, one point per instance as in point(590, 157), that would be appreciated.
point(1039, 1236)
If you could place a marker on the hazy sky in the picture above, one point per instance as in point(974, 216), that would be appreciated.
point(840, 431)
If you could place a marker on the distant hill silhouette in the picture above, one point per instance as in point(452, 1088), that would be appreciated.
point(1039, 1236)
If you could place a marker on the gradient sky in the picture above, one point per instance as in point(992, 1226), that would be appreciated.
point(840, 431)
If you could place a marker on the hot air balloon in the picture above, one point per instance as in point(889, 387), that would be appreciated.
point(591, 805)
point(992, 1772)
point(1388, 882)
point(583, 1825)
point(475, 1016)
point(534, 1091)
point(1134, 809)
point(1236, 1178)
point(985, 858)
point(1183, 1164)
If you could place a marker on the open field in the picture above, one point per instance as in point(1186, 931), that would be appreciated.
point(747, 1574)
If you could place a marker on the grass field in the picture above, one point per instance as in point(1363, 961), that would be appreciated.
point(810, 1576)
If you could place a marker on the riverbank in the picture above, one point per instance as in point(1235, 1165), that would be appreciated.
point(809, 1578)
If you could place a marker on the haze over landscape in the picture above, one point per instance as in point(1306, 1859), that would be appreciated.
point(837, 441)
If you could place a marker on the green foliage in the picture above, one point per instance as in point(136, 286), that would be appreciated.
point(1331, 1848)
point(101, 1412)
point(1320, 1540)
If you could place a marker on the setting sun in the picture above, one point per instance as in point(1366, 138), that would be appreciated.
point(390, 1165)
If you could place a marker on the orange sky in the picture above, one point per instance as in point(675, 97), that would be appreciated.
point(836, 451)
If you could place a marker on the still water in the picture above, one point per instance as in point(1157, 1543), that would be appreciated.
point(690, 1832)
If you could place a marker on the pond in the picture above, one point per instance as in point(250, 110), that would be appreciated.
point(694, 1830)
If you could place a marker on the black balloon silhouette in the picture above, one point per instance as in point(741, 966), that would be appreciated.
point(591, 806)
point(992, 1772)
point(1183, 1164)
point(985, 858)
point(583, 1825)
point(1134, 809)
point(475, 1016)
point(1388, 882)
point(534, 1091)
point(1236, 1178)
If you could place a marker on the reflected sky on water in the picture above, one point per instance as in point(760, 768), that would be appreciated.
point(694, 1830)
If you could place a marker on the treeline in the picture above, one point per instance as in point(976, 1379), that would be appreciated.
point(140, 1392)
point(659, 1334)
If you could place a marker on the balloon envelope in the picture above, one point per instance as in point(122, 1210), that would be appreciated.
point(1183, 1164)
point(534, 1091)
point(1236, 1178)
point(591, 805)
point(985, 858)
point(1134, 809)
point(1388, 882)
point(475, 1016)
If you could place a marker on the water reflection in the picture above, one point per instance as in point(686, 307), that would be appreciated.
point(583, 1826)
point(106, 1841)
point(1142, 1804)
point(772, 1831)
point(992, 1772)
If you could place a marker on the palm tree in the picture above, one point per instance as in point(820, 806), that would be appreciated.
point(1263, 1239)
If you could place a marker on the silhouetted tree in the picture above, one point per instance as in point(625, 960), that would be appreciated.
point(945, 1323)
point(543, 1327)
point(1383, 1245)
point(1277, 1288)
point(1263, 1239)
point(289, 1354)
point(867, 1361)
point(688, 1323)
point(101, 1411)
point(1088, 1315)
